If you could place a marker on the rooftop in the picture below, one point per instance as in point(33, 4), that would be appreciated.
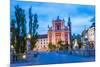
point(58, 19)
point(42, 36)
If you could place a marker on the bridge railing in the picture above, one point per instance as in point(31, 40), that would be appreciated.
point(86, 52)
point(29, 56)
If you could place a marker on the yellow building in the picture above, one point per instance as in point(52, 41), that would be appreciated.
point(42, 43)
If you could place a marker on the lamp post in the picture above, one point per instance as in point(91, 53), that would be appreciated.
point(13, 53)
point(29, 41)
point(24, 56)
point(87, 42)
point(12, 46)
point(29, 36)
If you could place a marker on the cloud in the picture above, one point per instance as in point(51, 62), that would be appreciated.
point(80, 23)
point(80, 14)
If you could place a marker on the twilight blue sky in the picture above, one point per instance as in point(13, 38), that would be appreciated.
point(80, 14)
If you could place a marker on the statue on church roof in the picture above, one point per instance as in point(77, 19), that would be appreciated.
point(57, 17)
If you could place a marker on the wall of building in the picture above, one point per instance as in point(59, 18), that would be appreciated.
point(42, 44)
point(91, 34)
point(58, 32)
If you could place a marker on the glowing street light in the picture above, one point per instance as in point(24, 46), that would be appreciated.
point(24, 56)
point(29, 36)
point(12, 46)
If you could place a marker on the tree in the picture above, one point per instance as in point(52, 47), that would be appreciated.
point(23, 32)
point(13, 31)
point(18, 20)
point(51, 46)
point(60, 42)
point(62, 46)
point(20, 30)
point(33, 26)
point(91, 45)
point(30, 20)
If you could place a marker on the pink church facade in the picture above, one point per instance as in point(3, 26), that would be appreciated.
point(58, 32)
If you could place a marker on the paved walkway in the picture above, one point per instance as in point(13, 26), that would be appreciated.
point(53, 58)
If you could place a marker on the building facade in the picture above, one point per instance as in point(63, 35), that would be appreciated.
point(91, 34)
point(42, 43)
point(58, 32)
